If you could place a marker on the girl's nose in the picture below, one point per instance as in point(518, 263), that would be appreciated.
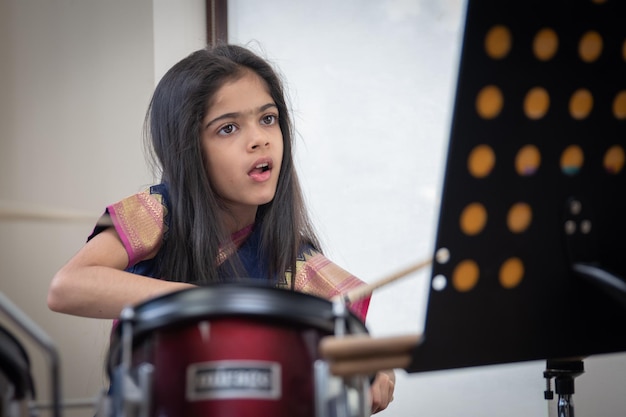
point(258, 139)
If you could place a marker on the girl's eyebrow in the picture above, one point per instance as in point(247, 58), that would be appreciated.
point(238, 114)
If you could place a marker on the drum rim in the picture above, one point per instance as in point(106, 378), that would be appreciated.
point(160, 312)
point(237, 300)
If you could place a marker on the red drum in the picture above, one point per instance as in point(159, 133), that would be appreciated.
point(229, 350)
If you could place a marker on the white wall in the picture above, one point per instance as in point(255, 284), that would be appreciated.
point(179, 29)
point(371, 85)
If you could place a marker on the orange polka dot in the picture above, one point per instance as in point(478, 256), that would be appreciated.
point(619, 105)
point(511, 273)
point(527, 160)
point(545, 44)
point(481, 161)
point(572, 160)
point(590, 46)
point(519, 217)
point(536, 103)
point(489, 102)
point(498, 42)
point(614, 159)
point(465, 275)
point(473, 219)
point(581, 104)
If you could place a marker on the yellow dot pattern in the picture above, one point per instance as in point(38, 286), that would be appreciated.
point(498, 43)
point(534, 182)
point(561, 98)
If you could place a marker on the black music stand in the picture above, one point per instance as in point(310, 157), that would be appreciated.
point(532, 228)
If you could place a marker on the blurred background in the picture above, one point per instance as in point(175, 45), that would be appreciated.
point(371, 85)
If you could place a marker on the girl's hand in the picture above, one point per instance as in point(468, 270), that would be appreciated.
point(382, 390)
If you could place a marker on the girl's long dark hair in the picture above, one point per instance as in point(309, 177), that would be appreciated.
point(174, 125)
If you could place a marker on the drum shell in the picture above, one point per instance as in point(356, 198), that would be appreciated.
point(248, 352)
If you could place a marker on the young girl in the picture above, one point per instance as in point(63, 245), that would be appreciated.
point(229, 203)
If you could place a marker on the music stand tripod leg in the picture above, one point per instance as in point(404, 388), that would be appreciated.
point(563, 372)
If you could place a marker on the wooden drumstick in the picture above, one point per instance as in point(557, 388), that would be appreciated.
point(359, 346)
point(362, 355)
point(366, 290)
point(368, 366)
point(13, 212)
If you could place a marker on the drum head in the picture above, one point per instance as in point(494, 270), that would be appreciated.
point(250, 301)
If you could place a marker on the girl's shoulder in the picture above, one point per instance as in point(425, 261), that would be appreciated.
point(141, 221)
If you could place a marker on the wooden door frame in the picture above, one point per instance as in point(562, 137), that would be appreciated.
point(216, 21)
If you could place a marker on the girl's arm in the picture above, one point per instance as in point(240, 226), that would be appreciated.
point(94, 284)
point(382, 390)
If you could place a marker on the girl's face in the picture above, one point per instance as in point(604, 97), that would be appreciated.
point(243, 145)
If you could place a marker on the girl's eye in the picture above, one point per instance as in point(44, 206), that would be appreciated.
point(269, 119)
point(227, 130)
